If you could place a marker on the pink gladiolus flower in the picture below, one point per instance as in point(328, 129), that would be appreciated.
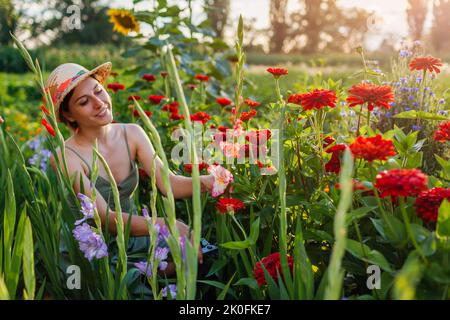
point(222, 177)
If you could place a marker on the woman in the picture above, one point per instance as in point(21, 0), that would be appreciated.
point(82, 103)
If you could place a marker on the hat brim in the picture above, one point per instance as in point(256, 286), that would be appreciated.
point(101, 73)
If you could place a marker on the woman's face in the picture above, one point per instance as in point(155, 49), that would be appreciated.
point(90, 104)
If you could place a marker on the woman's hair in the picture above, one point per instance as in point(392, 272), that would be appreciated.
point(64, 106)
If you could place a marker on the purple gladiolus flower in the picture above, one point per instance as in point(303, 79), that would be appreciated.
point(87, 208)
point(183, 247)
point(172, 289)
point(145, 213)
point(91, 244)
point(161, 255)
point(144, 268)
point(407, 109)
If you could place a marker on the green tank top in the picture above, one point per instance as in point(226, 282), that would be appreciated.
point(126, 188)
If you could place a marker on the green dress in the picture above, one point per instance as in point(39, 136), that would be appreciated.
point(138, 247)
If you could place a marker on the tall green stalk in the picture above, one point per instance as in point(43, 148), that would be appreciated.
point(335, 271)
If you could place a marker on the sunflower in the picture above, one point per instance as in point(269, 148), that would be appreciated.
point(124, 22)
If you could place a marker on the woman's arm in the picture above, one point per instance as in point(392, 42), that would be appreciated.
point(138, 226)
point(181, 186)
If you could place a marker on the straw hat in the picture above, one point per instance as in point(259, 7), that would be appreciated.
point(68, 75)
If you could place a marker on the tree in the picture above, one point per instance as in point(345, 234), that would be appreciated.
point(279, 25)
point(321, 25)
point(217, 12)
point(93, 26)
point(9, 19)
point(416, 15)
point(441, 24)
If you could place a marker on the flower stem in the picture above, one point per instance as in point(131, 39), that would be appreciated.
point(408, 228)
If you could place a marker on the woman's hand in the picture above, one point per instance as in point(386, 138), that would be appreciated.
point(207, 183)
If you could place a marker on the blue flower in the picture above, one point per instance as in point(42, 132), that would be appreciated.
point(443, 112)
point(416, 128)
point(407, 109)
point(442, 101)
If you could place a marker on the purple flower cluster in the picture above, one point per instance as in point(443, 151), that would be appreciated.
point(41, 155)
point(87, 208)
point(91, 243)
point(172, 289)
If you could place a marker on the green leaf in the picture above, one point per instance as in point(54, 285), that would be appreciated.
point(28, 261)
point(443, 220)
point(365, 253)
point(237, 245)
point(359, 213)
point(413, 114)
point(407, 279)
point(250, 282)
point(222, 294)
point(254, 231)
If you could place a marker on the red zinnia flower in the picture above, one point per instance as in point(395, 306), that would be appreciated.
point(428, 203)
point(318, 99)
point(171, 107)
point(334, 165)
point(44, 109)
point(295, 98)
point(116, 86)
point(202, 77)
point(426, 63)
point(224, 101)
point(176, 116)
point(148, 77)
point(251, 103)
point(277, 72)
point(443, 133)
point(201, 116)
point(328, 141)
point(371, 94)
point(202, 166)
point(272, 264)
point(130, 98)
point(245, 116)
point(373, 148)
point(136, 113)
point(48, 126)
point(230, 205)
point(155, 99)
point(401, 182)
